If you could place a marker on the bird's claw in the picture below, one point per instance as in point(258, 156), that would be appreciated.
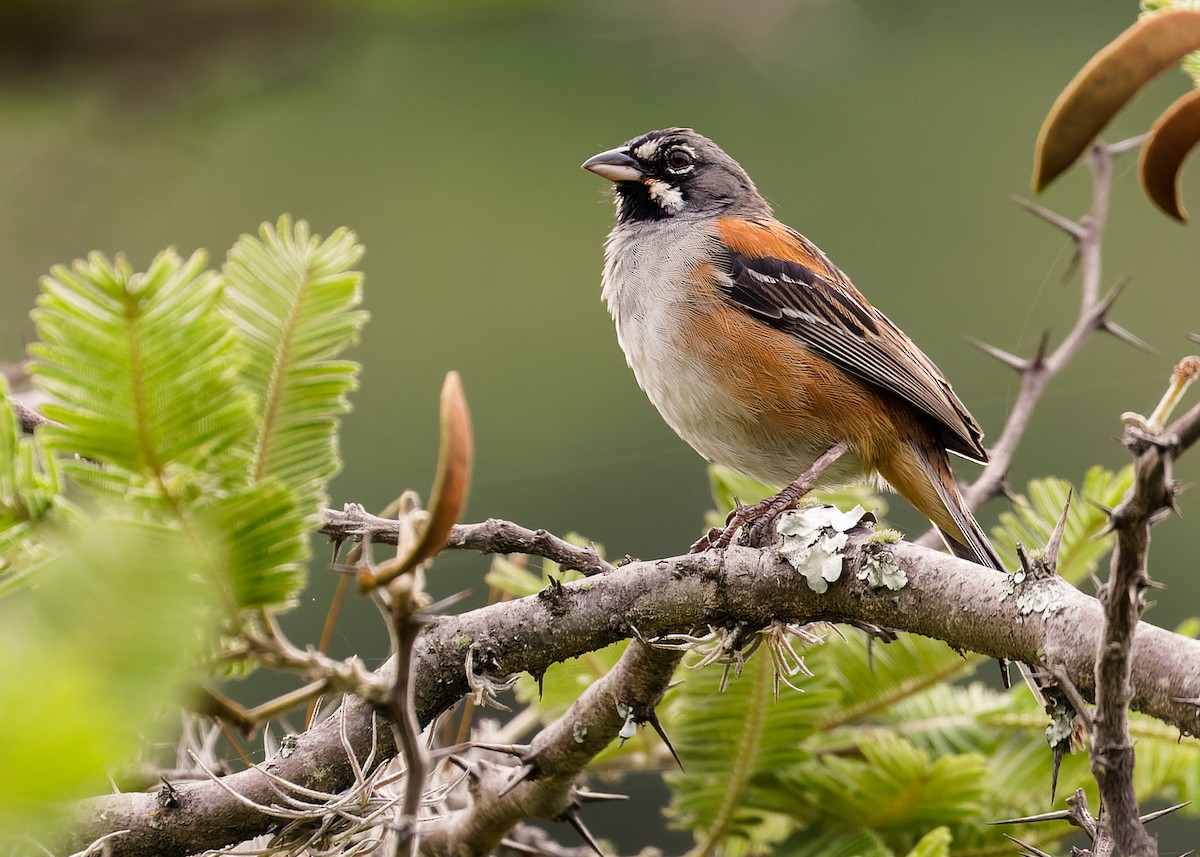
point(757, 519)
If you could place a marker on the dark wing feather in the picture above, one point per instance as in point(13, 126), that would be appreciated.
point(823, 310)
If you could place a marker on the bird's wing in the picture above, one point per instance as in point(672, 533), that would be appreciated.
point(782, 279)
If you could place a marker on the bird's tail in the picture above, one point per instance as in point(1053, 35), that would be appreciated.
point(967, 540)
point(922, 474)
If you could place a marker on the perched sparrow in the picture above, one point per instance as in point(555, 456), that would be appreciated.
point(758, 351)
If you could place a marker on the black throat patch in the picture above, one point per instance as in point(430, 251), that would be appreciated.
point(635, 202)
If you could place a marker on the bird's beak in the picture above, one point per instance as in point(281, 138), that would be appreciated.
point(615, 165)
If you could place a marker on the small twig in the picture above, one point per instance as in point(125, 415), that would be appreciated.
point(404, 717)
point(272, 708)
point(335, 608)
point(492, 536)
point(102, 845)
point(1081, 816)
point(399, 600)
point(271, 646)
point(1071, 692)
point(1037, 372)
point(27, 417)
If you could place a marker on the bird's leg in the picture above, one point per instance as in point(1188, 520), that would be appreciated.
point(762, 516)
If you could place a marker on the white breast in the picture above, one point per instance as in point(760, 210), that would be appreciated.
point(643, 270)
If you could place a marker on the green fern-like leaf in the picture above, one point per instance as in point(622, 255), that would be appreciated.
point(291, 297)
point(209, 402)
point(935, 843)
point(90, 656)
point(893, 787)
point(29, 493)
point(733, 744)
point(1035, 514)
point(870, 677)
point(140, 370)
point(1167, 766)
point(519, 581)
point(948, 719)
point(834, 843)
point(259, 539)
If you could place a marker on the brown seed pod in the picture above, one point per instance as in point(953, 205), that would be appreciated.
point(1173, 136)
point(1107, 83)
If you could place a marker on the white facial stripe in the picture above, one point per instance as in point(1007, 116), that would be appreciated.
point(668, 198)
point(647, 150)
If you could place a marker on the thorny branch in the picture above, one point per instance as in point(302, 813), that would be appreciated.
point(708, 589)
point(544, 783)
point(946, 598)
point(1153, 492)
point(628, 694)
point(400, 601)
point(1037, 371)
point(492, 536)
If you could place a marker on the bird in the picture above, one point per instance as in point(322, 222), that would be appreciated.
point(760, 352)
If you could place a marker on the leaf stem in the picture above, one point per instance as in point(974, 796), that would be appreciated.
point(743, 765)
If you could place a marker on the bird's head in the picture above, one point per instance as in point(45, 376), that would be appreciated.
point(675, 172)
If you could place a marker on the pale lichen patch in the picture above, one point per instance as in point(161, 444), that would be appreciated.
point(813, 540)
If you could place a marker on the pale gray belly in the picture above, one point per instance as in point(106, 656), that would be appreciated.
point(641, 288)
point(719, 427)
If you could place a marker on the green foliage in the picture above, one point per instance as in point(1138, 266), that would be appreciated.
point(90, 658)
point(257, 538)
point(29, 494)
point(858, 843)
point(891, 786)
point(195, 419)
point(291, 297)
point(140, 370)
point(871, 676)
point(734, 746)
point(1035, 514)
point(867, 762)
point(935, 843)
point(209, 402)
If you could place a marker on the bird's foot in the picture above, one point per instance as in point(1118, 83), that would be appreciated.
point(759, 519)
point(754, 515)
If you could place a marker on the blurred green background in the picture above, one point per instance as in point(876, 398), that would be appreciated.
point(449, 136)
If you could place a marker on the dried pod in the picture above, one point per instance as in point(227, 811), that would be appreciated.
point(1107, 83)
point(1173, 136)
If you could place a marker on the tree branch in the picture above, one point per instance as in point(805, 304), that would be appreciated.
point(626, 696)
point(1037, 371)
point(492, 536)
point(1153, 490)
point(555, 759)
point(946, 598)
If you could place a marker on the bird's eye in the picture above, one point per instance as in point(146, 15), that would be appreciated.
point(679, 159)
